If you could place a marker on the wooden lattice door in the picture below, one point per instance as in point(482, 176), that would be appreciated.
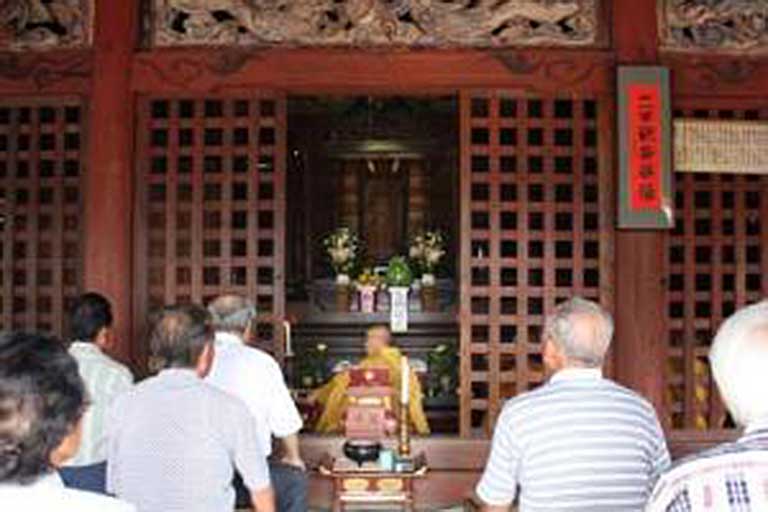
point(41, 203)
point(211, 204)
point(716, 263)
point(536, 228)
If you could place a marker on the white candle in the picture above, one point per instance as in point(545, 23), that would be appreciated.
point(288, 341)
point(405, 381)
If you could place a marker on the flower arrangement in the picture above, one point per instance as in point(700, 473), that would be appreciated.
point(313, 366)
point(368, 278)
point(399, 274)
point(343, 247)
point(427, 249)
point(443, 363)
point(367, 284)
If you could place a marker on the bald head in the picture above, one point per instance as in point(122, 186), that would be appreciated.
point(377, 338)
point(232, 313)
point(739, 359)
point(581, 330)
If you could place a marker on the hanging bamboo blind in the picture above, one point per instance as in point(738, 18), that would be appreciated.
point(41, 154)
point(536, 229)
point(211, 203)
point(716, 263)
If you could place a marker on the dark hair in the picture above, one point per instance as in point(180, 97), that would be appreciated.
point(179, 335)
point(91, 313)
point(42, 397)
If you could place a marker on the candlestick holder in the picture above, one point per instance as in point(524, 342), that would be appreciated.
point(404, 441)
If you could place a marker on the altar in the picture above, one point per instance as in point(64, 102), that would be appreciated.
point(341, 335)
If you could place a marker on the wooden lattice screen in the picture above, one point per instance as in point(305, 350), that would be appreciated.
point(537, 230)
point(715, 264)
point(41, 153)
point(211, 204)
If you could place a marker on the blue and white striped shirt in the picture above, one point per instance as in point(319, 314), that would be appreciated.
point(578, 443)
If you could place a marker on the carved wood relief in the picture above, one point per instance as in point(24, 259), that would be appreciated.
point(43, 24)
point(428, 23)
point(736, 25)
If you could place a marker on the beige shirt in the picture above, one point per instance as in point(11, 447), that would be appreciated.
point(105, 379)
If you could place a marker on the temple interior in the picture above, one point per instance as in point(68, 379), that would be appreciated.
point(453, 170)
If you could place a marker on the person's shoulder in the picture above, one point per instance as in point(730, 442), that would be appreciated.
point(630, 396)
point(527, 399)
point(118, 369)
point(724, 459)
point(258, 356)
point(91, 502)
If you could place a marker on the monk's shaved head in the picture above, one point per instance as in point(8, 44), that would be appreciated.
point(377, 337)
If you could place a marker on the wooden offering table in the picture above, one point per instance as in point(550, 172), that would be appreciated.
point(370, 487)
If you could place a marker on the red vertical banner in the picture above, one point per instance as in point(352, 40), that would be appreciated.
point(645, 147)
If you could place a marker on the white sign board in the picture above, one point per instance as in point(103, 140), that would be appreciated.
point(398, 309)
point(720, 146)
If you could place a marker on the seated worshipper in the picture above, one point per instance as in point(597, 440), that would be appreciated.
point(581, 442)
point(732, 477)
point(42, 400)
point(254, 377)
point(333, 396)
point(173, 441)
point(105, 378)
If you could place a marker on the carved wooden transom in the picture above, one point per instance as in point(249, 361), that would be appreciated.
point(714, 25)
point(41, 24)
point(375, 22)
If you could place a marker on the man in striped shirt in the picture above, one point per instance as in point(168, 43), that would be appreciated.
point(732, 477)
point(581, 442)
point(105, 379)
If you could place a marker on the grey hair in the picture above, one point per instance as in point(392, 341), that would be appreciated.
point(583, 350)
point(739, 359)
point(232, 313)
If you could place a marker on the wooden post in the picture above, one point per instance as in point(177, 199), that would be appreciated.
point(109, 175)
point(640, 346)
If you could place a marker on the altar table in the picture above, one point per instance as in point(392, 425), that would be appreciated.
point(371, 486)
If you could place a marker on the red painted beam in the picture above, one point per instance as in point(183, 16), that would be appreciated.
point(325, 70)
point(109, 176)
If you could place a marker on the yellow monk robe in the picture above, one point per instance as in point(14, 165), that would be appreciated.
point(333, 395)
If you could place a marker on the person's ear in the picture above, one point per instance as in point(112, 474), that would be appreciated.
point(105, 339)
point(551, 356)
point(68, 447)
point(205, 360)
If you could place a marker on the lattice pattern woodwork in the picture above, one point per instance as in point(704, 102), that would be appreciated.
point(536, 230)
point(211, 204)
point(716, 264)
point(41, 153)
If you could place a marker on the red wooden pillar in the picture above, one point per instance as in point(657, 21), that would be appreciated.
point(109, 182)
point(640, 346)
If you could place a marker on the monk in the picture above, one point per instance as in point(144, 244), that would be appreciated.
point(380, 354)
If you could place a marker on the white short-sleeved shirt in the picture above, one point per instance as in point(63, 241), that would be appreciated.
point(48, 494)
point(174, 443)
point(104, 380)
point(255, 378)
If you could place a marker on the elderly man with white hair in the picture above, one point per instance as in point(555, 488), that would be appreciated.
point(732, 477)
point(254, 377)
point(580, 442)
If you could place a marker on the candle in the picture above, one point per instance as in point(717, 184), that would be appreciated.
point(405, 381)
point(288, 341)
